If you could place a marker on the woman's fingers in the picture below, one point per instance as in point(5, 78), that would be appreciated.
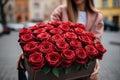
point(96, 70)
point(18, 63)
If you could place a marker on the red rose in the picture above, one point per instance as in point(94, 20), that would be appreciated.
point(53, 58)
point(75, 44)
point(55, 23)
point(78, 25)
point(68, 23)
point(43, 36)
point(32, 28)
point(100, 56)
point(38, 31)
point(81, 61)
point(80, 31)
point(70, 35)
point(37, 60)
point(24, 31)
point(57, 38)
point(66, 65)
point(81, 53)
point(30, 46)
point(49, 27)
point(41, 25)
point(85, 39)
point(46, 47)
point(91, 35)
point(91, 51)
point(81, 56)
point(56, 31)
point(100, 47)
point(26, 37)
point(64, 27)
point(62, 45)
point(68, 56)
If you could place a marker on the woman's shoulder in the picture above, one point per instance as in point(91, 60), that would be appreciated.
point(99, 13)
point(100, 16)
point(57, 13)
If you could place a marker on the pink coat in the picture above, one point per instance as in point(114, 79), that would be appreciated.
point(94, 20)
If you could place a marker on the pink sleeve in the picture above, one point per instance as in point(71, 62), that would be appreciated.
point(56, 14)
point(99, 28)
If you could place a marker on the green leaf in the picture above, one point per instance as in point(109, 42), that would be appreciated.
point(61, 69)
point(74, 66)
point(67, 70)
point(78, 67)
point(86, 66)
point(89, 63)
point(46, 69)
point(55, 71)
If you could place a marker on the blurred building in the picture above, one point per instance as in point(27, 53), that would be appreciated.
point(41, 9)
point(9, 10)
point(30, 10)
point(21, 10)
point(111, 10)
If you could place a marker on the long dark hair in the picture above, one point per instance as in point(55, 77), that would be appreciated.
point(73, 12)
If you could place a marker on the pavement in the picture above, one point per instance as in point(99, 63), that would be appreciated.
point(109, 66)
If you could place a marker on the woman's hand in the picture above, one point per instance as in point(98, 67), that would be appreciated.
point(94, 75)
point(19, 64)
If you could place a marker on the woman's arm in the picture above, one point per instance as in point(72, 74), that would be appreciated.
point(56, 14)
point(98, 31)
point(99, 28)
point(19, 64)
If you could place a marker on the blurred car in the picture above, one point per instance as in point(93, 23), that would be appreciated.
point(1, 28)
point(15, 26)
point(110, 26)
point(4, 29)
point(28, 24)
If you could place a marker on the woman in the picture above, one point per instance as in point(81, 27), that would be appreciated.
point(82, 11)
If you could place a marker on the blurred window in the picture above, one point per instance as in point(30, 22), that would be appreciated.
point(18, 8)
point(26, 18)
point(116, 20)
point(11, 17)
point(10, 7)
point(36, 5)
point(25, 8)
point(116, 3)
point(37, 16)
point(104, 3)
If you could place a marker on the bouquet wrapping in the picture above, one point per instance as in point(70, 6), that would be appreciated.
point(59, 47)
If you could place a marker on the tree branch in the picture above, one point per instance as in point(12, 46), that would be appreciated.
point(0, 2)
point(5, 2)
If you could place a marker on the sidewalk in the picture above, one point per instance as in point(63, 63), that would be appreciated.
point(110, 68)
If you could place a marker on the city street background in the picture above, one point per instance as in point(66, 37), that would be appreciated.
point(16, 14)
point(109, 66)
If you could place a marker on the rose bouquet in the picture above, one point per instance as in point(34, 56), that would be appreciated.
point(59, 46)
